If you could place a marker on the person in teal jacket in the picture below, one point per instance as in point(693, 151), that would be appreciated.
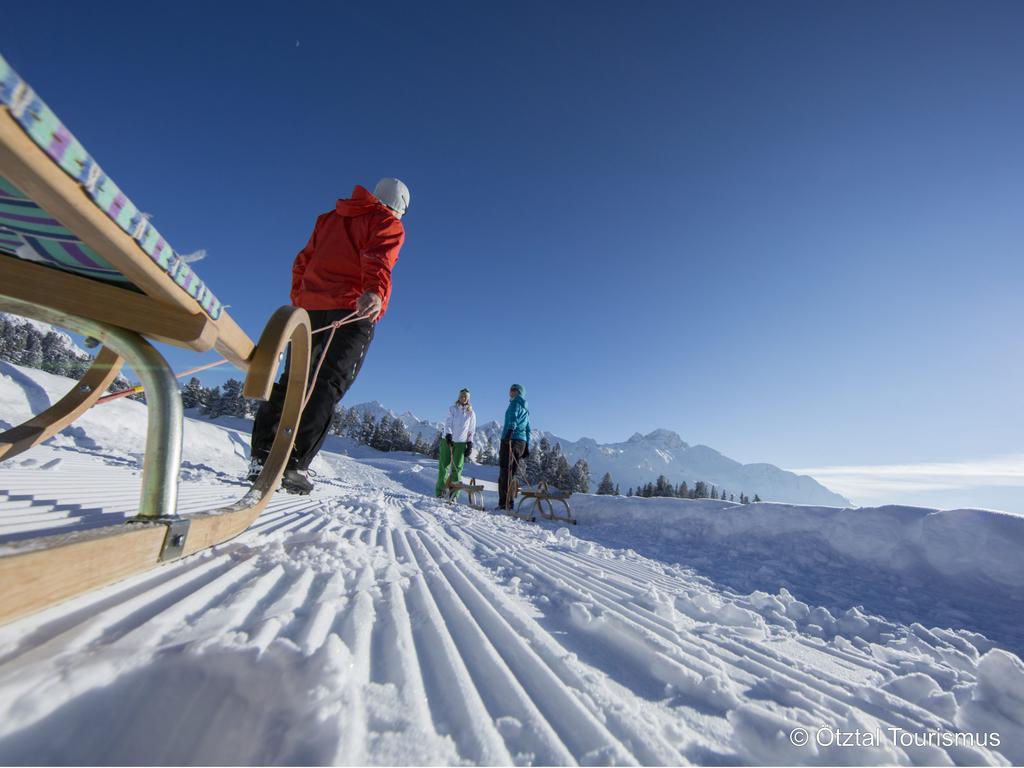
point(515, 444)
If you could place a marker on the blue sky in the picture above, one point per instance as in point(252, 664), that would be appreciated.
point(791, 231)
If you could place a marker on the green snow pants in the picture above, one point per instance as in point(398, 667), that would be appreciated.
point(456, 456)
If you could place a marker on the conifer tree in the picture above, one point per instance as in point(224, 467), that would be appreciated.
point(337, 422)
point(400, 439)
point(549, 461)
point(55, 356)
point(381, 439)
point(534, 469)
point(352, 424)
point(605, 487)
point(193, 394)
point(212, 408)
point(32, 356)
point(579, 477)
point(662, 487)
point(231, 401)
point(563, 478)
point(367, 428)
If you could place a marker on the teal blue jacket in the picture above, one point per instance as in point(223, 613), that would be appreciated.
point(517, 419)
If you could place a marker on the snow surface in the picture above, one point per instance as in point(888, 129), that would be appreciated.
point(372, 624)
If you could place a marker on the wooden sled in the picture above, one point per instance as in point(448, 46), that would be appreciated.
point(76, 253)
point(474, 491)
point(542, 497)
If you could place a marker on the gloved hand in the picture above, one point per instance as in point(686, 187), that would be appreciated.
point(370, 305)
point(469, 448)
point(448, 439)
point(526, 451)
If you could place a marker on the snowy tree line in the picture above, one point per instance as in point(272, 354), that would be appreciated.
point(547, 463)
point(663, 488)
point(387, 433)
point(22, 343)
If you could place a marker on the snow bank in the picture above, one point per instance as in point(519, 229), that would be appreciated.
point(962, 545)
point(118, 429)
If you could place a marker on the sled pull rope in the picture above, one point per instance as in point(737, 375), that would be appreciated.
point(332, 327)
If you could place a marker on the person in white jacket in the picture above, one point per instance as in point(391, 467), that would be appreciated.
point(457, 444)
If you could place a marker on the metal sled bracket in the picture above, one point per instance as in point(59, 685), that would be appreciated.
point(175, 538)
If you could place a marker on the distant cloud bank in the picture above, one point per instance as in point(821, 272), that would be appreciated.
point(996, 482)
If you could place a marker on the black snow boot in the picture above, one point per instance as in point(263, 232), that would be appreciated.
point(255, 467)
point(295, 481)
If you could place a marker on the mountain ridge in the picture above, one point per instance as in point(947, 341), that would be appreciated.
point(642, 458)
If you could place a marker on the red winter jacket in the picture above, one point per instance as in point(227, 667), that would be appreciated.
point(353, 250)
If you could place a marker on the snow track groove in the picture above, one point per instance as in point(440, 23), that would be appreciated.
point(367, 624)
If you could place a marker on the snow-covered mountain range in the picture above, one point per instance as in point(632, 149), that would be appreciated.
point(642, 458)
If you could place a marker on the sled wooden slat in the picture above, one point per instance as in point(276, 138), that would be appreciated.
point(109, 304)
point(48, 570)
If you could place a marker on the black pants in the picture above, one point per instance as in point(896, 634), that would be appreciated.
point(509, 456)
point(341, 366)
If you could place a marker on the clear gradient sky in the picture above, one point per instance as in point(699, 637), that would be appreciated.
point(791, 231)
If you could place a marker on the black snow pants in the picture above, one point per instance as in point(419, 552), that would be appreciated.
point(341, 366)
point(509, 456)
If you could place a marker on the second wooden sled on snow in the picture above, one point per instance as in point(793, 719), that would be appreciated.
point(542, 497)
point(474, 491)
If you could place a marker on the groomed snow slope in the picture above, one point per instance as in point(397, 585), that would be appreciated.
point(370, 624)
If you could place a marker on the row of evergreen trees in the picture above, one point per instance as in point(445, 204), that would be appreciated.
point(22, 343)
point(386, 434)
point(663, 488)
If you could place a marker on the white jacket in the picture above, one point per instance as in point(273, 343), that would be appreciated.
point(460, 424)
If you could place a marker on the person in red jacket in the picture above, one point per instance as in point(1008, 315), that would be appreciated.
point(344, 270)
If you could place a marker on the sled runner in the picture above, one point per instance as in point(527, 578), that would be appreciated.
point(76, 253)
point(542, 497)
point(474, 491)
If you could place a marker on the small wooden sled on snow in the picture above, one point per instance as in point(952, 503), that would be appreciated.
point(76, 253)
point(473, 490)
point(542, 497)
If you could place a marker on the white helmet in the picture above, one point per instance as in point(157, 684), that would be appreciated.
point(394, 194)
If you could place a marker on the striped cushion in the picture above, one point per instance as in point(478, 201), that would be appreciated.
point(29, 232)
